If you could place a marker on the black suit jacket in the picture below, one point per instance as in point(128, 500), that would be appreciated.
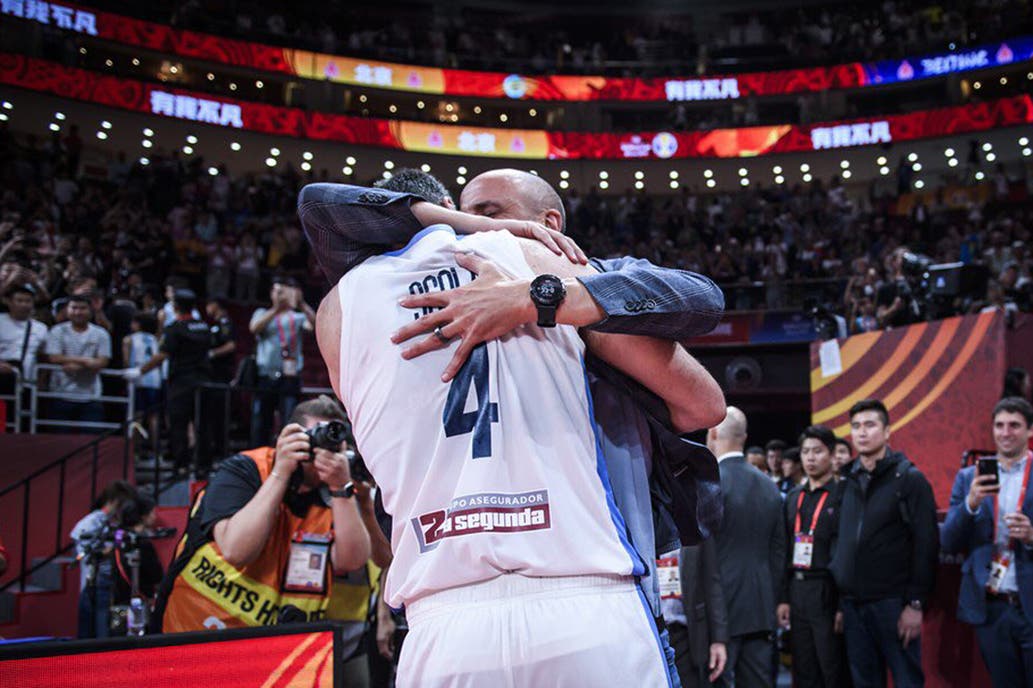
point(751, 545)
point(703, 599)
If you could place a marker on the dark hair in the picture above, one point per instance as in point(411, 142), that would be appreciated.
point(320, 407)
point(1015, 405)
point(792, 454)
point(1014, 379)
point(117, 491)
point(775, 445)
point(870, 405)
point(285, 280)
point(133, 511)
point(820, 433)
point(843, 441)
point(147, 322)
point(755, 450)
point(418, 183)
point(184, 300)
point(79, 298)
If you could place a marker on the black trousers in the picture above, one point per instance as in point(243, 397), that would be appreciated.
point(1006, 643)
point(691, 674)
point(182, 409)
point(819, 654)
point(749, 661)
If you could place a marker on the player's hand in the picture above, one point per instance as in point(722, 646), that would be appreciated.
point(386, 636)
point(1019, 527)
point(332, 468)
point(292, 447)
point(982, 486)
point(909, 625)
point(718, 659)
point(487, 308)
point(557, 242)
point(782, 612)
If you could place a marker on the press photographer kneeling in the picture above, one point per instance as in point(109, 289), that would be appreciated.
point(264, 534)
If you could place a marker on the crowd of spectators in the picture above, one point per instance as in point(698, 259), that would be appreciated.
point(542, 41)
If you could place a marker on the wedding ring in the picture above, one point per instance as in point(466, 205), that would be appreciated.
point(441, 335)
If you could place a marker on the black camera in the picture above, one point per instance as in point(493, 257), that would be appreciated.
point(357, 467)
point(329, 435)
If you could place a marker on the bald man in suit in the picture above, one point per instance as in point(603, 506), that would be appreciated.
point(751, 554)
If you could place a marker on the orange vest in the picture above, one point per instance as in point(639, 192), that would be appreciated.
point(209, 593)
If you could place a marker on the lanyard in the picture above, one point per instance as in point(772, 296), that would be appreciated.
point(286, 342)
point(814, 517)
point(1022, 493)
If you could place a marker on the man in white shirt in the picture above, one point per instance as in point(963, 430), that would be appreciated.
point(82, 349)
point(20, 338)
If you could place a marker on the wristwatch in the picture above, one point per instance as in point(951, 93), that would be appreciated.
point(916, 605)
point(344, 493)
point(547, 293)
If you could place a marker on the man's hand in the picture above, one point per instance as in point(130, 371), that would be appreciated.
point(332, 468)
point(1019, 527)
point(837, 624)
point(909, 626)
point(557, 242)
point(487, 308)
point(292, 447)
point(718, 658)
point(982, 486)
point(131, 374)
point(782, 613)
point(72, 367)
point(363, 494)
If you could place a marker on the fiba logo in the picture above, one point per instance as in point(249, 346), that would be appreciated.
point(664, 145)
point(514, 86)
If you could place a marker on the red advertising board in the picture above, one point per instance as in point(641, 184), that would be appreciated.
point(138, 96)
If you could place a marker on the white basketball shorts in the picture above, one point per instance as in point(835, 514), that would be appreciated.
point(520, 632)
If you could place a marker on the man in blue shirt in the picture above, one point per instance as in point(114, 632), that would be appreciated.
point(348, 224)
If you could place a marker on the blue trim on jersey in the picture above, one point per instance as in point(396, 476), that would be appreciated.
point(638, 566)
point(656, 634)
point(419, 235)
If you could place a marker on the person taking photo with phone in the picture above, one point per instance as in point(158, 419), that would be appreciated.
point(989, 522)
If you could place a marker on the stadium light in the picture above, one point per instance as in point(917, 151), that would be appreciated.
point(214, 171)
point(145, 161)
point(708, 173)
point(987, 147)
point(105, 124)
point(603, 174)
point(674, 183)
point(640, 175)
point(392, 108)
point(1024, 141)
point(420, 104)
point(564, 174)
point(980, 176)
point(259, 84)
point(1026, 152)
point(917, 167)
point(844, 164)
point(102, 135)
point(274, 152)
point(807, 177)
point(59, 116)
point(347, 171)
point(780, 179)
point(949, 153)
point(745, 181)
point(639, 185)
point(805, 167)
point(912, 157)
point(307, 155)
point(306, 166)
point(743, 172)
point(350, 160)
point(146, 143)
point(711, 183)
point(425, 167)
point(673, 174)
point(990, 157)
point(777, 169)
point(462, 169)
point(387, 174)
point(388, 165)
point(953, 162)
point(919, 184)
point(234, 146)
point(881, 160)
point(532, 112)
point(271, 162)
point(846, 174)
point(884, 170)
point(564, 184)
point(148, 132)
point(604, 184)
point(460, 180)
point(191, 139)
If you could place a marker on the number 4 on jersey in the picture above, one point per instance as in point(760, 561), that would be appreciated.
point(456, 419)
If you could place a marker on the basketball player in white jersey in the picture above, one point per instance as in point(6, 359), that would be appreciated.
point(509, 554)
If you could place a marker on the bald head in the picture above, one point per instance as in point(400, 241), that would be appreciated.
point(733, 427)
point(513, 195)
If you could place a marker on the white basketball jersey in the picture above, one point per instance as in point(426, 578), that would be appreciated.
point(143, 345)
point(497, 471)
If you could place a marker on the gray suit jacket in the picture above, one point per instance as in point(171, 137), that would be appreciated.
point(751, 547)
point(703, 599)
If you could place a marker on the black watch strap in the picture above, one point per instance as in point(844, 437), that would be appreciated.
point(345, 492)
point(546, 316)
point(547, 293)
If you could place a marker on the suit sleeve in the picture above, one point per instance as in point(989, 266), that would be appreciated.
point(717, 610)
point(956, 532)
point(644, 299)
point(347, 224)
point(777, 555)
point(787, 514)
point(926, 551)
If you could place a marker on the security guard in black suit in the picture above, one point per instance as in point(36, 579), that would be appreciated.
point(185, 344)
point(809, 601)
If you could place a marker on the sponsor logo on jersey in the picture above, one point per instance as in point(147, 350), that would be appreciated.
point(483, 513)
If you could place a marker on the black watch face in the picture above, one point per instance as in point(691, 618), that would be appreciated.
point(548, 290)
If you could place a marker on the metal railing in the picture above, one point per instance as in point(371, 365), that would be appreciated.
point(61, 465)
point(36, 421)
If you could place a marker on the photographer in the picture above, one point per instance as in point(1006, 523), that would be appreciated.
point(94, 542)
point(896, 305)
point(135, 522)
point(268, 531)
